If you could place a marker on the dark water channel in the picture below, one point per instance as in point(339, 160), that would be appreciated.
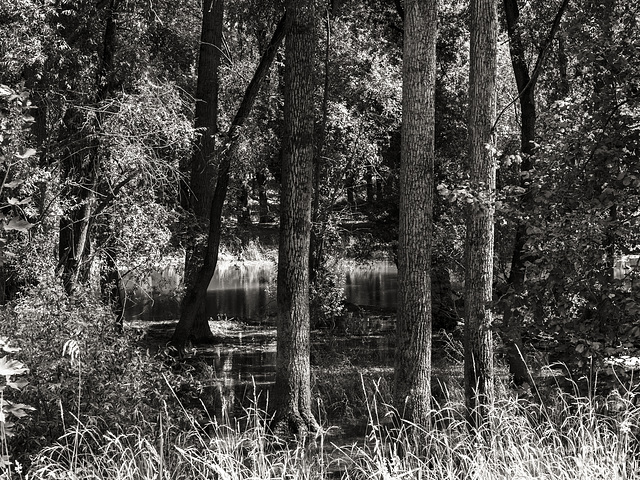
point(241, 300)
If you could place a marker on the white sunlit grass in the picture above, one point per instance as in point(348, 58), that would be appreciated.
point(568, 438)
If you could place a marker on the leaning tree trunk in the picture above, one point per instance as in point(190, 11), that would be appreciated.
point(413, 331)
point(478, 341)
point(195, 296)
point(292, 389)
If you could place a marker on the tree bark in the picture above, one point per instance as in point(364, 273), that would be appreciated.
point(196, 293)
point(413, 331)
point(478, 338)
point(292, 391)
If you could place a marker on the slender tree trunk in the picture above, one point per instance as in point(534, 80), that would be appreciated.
point(112, 285)
point(292, 390)
point(263, 200)
point(563, 68)
point(317, 230)
point(79, 169)
point(244, 215)
point(413, 331)
point(196, 293)
point(526, 84)
point(478, 337)
point(368, 176)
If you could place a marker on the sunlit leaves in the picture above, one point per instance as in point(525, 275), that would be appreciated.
point(9, 367)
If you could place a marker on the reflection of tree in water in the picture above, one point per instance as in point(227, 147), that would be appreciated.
point(242, 375)
point(373, 285)
point(247, 291)
point(241, 290)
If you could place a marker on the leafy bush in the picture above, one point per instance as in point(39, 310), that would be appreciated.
point(81, 370)
point(327, 295)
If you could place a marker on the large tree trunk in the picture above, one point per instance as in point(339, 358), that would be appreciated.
point(292, 390)
point(478, 341)
point(196, 293)
point(526, 83)
point(413, 347)
point(203, 161)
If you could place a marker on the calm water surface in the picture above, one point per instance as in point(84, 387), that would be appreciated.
point(247, 291)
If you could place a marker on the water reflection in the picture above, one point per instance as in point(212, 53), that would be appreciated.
point(373, 285)
point(247, 290)
point(245, 365)
point(242, 290)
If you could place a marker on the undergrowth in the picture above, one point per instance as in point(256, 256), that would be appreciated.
point(82, 371)
point(567, 438)
point(106, 410)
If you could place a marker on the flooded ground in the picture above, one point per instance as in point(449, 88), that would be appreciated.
point(242, 368)
point(351, 362)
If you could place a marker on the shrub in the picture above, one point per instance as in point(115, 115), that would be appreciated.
point(81, 370)
point(9, 411)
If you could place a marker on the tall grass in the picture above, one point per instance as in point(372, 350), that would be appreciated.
point(569, 438)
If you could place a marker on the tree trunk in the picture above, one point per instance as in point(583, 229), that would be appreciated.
point(112, 285)
point(78, 176)
point(478, 338)
point(203, 161)
point(263, 200)
point(195, 296)
point(318, 219)
point(526, 84)
point(244, 213)
point(368, 176)
point(413, 331)
point(292, 389)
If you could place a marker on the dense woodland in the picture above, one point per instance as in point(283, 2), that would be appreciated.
point(490, 149)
